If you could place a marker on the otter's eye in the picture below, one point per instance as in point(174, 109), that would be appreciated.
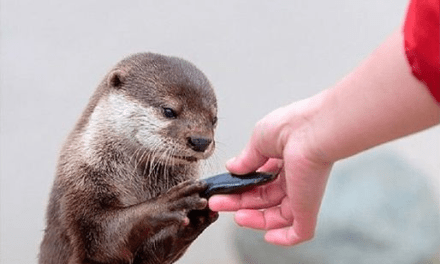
point(214, 121)
point(169, 113)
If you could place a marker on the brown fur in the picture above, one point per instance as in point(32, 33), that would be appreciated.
point(119, 198)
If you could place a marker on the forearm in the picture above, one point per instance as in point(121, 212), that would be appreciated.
point(379, 101)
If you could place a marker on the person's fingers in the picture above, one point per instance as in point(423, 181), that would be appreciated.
point(290, 236)
point(249, 160)
point(263, 144)
point(282, 237)
point(260, 197)
point(305, 185)
point(224, 202)
point(271, 218)
point(272, 166)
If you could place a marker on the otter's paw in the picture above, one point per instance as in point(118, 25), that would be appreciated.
point(177, 202)
point(199, 221)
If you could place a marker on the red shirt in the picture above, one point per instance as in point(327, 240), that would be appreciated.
point(422, 42)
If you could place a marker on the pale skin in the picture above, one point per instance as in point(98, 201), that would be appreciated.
point(377, 102)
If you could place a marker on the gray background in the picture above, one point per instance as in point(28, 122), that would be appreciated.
point(258, 54)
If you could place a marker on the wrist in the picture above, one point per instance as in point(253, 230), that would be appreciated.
point(320, 115)
point(304, 126)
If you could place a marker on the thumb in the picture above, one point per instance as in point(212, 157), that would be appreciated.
point(249, 160)
point(265, 143)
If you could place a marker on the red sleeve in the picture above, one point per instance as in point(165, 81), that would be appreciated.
point(422, 42)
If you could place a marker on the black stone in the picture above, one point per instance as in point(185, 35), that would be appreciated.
point(227, 183)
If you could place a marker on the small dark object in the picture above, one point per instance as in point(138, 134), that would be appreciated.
point(229, 183)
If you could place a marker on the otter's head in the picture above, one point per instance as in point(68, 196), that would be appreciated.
point(164, 106)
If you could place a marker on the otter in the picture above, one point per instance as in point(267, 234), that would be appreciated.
point(126, 188)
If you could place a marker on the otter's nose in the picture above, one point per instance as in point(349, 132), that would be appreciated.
point(199, 144)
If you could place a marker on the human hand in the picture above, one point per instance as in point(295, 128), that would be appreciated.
point(377, 102)
point(288, 207)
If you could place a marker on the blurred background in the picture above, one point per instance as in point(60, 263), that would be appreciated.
point(259, 55)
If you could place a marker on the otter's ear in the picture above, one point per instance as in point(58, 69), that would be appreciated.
point(117, 78)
